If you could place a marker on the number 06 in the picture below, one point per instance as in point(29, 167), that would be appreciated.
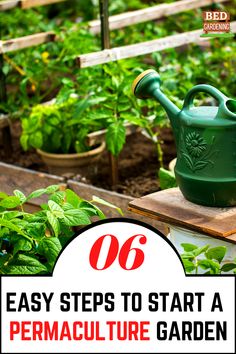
point(113, 251)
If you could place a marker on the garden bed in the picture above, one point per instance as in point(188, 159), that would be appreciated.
point(138, 164)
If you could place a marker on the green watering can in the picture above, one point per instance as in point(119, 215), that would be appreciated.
point(205, 139)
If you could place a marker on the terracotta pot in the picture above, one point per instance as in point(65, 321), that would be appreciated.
point(60, 164)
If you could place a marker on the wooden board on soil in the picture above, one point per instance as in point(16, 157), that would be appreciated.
point(170, 207)
point(13, 177)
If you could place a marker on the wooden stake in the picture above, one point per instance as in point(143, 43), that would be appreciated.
point(6, 133)
point(105, 43)
point(104, 20)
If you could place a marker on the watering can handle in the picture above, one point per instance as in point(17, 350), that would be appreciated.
point(212, 91)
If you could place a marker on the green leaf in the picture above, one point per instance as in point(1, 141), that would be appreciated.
point(209, 264)
point(20, 195)
point(104, 202)
point(100, 214)
point(55, 209)
point(115, 137)
point(24, 141)
point(80, 107)
point(58, 197)
point(22, 245)
point(3, 195)
point(76, 217)
point(53, 222)
point(188, 247)
point(37, 193)
point(188, 266)
point(50, 248)
point(96, 100)
point(23, 264)
point(216, 253)
point(10, 202)
point(166, 179)
point(200, 250)
point(228, 267)
point(91, 209)
point(36, 230)
point(3, 259)
point(88, 208)
point(72, 198)
point(13, 227)
point(52, 189)
point(8, 215)
point(36, 140)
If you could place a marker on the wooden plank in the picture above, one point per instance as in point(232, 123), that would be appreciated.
point(170, 207)
point(25, 4)
point(9, 4)
point(133, 50)
point(13, 177)
point(150, 13)
point(231, 238)
point(99, 136)
point(87, 191)
point(26, 41)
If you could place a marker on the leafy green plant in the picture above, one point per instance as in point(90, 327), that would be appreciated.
point(119, 107)
point(206, 258)
point(61, 127)
point(166, 178)
point(31, 242)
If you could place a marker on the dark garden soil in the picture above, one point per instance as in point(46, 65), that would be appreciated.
point(138, 163)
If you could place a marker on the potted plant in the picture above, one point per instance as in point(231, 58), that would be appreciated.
point(58, 131)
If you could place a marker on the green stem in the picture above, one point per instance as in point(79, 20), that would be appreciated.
point(196, 264)
point(160, 153)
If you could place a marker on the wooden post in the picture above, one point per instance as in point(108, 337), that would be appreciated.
point(105, 43)
point(6, 133)
point(104, 17)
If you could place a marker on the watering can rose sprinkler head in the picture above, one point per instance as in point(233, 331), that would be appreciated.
point(143, 81)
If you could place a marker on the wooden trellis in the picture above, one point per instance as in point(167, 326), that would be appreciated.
point(115, 22)
point(150, 13)
point(134, 50)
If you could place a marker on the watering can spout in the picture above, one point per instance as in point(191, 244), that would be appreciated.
point(147, 85)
